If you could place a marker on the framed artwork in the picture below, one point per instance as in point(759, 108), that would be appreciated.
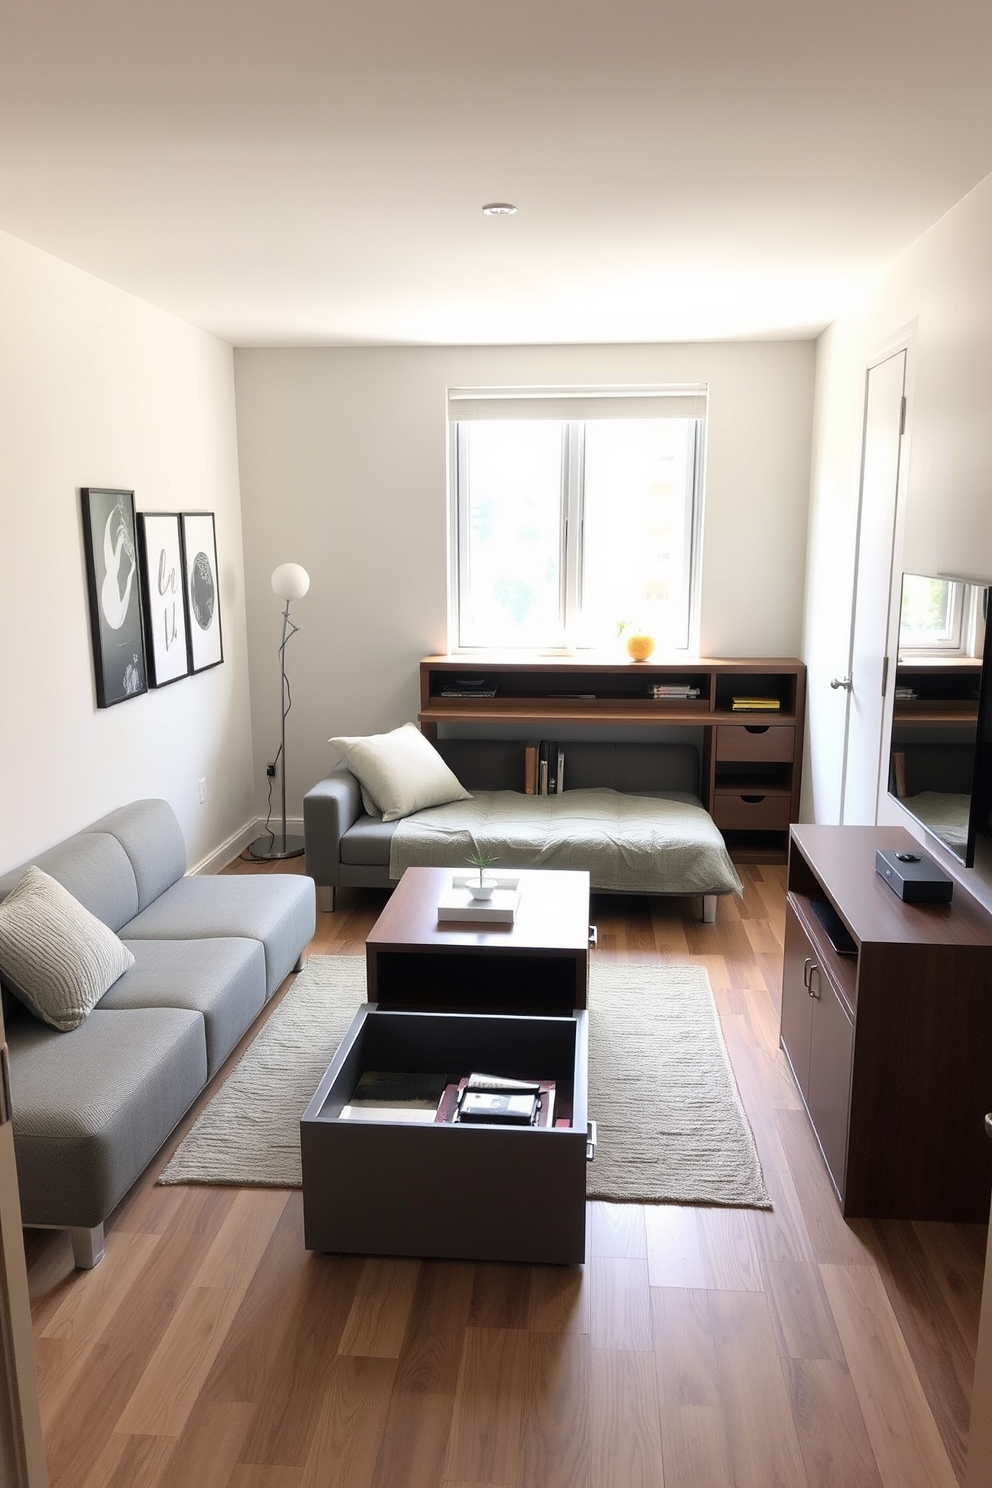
point(114, 585)
point(202, 589)
point(166, 625)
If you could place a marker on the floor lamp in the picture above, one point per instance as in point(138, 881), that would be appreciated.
point(290, 582)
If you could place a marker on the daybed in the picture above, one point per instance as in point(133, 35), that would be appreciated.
point(631, 814)
point(92, 1106)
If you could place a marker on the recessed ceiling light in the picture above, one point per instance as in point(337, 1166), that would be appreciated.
point(499, 209)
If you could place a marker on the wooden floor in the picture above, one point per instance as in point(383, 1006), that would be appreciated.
point(697, 1348)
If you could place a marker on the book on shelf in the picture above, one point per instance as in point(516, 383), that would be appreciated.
point(530, 766)
point(550, 768)
point(755, 705)
point(468, 687)
point(674, 690)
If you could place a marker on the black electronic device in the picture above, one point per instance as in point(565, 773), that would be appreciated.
point(914, 877)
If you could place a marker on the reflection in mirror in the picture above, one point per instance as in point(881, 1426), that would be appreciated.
point(935, 708)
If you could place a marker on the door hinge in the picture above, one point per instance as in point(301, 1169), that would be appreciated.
point(6, 1105)
point(902, 415)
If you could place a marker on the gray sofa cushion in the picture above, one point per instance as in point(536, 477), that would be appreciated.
point(95, 869)
point(222, 979)
point(367, 841)
point(123, 1080)
point(153, 841)
point(279, 909)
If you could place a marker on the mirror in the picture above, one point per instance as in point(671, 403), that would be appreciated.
point(936, 706)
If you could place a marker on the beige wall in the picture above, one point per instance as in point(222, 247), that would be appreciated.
point(940, 292)
point(98, 388)
point(343, 469)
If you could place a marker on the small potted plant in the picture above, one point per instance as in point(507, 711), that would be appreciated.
point(481, 888)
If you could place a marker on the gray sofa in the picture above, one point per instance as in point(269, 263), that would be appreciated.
point(347, 848)
point(92, 1107)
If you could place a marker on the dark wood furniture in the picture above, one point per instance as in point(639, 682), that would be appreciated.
point(538, 964)
point(483, 1192)
point(890, 1043)
point(751, 762)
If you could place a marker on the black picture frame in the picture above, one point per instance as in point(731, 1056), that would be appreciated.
point(164, 593)
point(113, 578)
point(201, 585)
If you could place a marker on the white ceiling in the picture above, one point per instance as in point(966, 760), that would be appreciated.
point(312, 172)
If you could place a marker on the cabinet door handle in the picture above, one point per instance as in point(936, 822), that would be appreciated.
point(806, 966)
point(815, 968)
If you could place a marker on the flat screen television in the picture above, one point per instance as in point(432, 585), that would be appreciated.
point(940, 748)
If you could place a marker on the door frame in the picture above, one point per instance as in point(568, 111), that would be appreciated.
point(903, 340)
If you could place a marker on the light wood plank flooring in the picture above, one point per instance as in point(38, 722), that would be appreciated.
point(697, 1348)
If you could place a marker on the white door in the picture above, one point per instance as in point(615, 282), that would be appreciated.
point(885, 415)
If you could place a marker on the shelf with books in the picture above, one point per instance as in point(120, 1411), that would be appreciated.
point(738, 742)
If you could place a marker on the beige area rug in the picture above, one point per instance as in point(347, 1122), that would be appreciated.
point(671, 1125)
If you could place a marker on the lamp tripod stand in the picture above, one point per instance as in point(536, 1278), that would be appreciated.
point(290, 582)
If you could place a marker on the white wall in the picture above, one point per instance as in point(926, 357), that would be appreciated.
point(942, 290)
point(343, 469)
point(98, 388)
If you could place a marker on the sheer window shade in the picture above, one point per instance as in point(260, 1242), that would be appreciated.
point(466, 404)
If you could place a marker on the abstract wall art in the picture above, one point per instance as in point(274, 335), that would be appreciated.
point(202, 589)
point(166, 626)
point(114, 586)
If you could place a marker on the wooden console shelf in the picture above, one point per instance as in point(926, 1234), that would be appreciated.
point(751, 762)
point(890, 1038)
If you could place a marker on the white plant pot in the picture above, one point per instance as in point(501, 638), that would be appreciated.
point(483, 890)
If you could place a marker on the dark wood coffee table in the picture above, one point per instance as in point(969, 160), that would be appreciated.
point(539, 964)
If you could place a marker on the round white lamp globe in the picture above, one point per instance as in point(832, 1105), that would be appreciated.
point(290, 581)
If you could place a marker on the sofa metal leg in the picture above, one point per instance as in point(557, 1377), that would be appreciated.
point(709, 909)
point(325, 898)
point(301, 961)
point(87, 1247)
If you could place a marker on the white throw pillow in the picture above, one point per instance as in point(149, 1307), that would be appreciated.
point(54, 955)
point(400, 772)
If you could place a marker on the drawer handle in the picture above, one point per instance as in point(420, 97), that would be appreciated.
point(756, 728)
point(752, 800)
point(590, 1141)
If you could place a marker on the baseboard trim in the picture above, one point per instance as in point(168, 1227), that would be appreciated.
point(235, 845)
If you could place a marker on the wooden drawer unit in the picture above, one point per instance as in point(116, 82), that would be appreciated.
point(749, 741)
point(747, 811)
point(887, 1026)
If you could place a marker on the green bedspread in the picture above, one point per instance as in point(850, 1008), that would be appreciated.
point(634, 844)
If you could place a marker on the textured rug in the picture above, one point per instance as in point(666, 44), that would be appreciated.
point(671, 1126)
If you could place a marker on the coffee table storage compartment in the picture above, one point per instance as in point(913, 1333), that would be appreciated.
point(452, 1191)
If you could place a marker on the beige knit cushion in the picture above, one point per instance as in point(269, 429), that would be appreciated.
point(54, 955)
point(400, 772)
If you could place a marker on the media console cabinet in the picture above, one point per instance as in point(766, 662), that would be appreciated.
point(889, 1039)
point(751, 762)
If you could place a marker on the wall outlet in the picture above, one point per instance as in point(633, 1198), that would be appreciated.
point(203, 792)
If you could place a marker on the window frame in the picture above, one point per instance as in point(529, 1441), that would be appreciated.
point(571, 533)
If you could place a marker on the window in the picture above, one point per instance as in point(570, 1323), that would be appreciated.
point(574, 512)
point(940, 616)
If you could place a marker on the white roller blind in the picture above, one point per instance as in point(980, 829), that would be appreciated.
point(576, 403)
